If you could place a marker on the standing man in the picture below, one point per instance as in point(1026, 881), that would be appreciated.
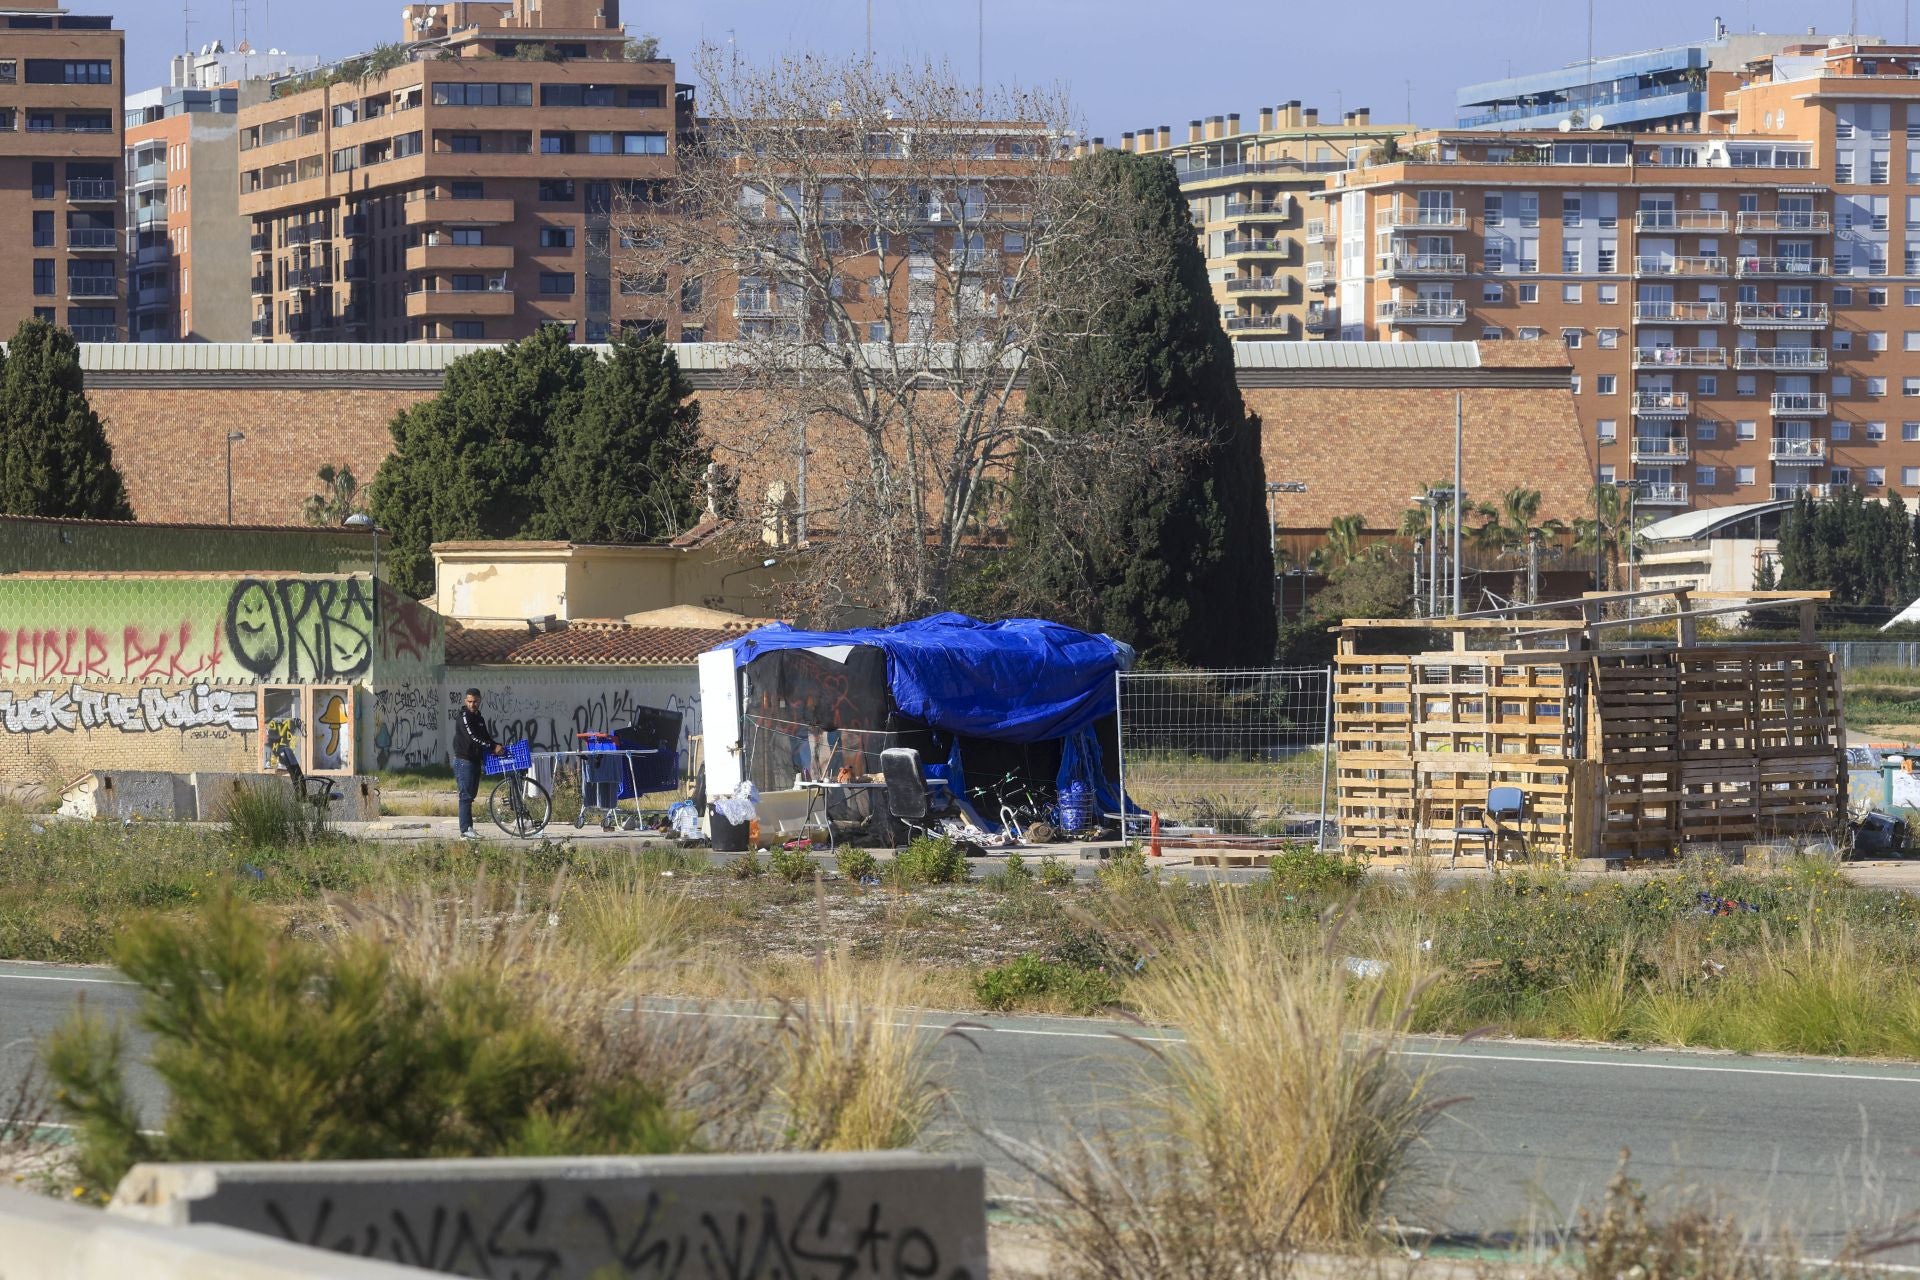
point(472, 744)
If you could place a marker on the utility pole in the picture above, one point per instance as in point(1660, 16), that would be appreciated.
point(980, 52)
point(869, 31)
point(1459, 494)
point(1275, 488)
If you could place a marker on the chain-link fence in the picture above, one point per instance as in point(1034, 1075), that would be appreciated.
point(1875, 653)
point(1240, 753)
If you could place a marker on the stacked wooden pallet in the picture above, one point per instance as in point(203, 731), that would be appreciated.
point(1373, 738)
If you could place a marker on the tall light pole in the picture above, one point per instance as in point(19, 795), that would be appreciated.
point(1274, 488)
point(233, 437)
point(361, 520)
point(1459, 495)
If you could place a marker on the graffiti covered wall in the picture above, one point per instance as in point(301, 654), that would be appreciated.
point(549, 707)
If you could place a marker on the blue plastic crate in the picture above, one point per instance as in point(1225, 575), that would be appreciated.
point(519, 759)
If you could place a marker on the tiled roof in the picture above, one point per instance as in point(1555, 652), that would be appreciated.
point(584, 644)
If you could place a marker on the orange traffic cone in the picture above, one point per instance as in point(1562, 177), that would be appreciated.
point(1153, 835)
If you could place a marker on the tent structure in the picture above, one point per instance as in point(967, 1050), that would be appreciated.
point(982, 702)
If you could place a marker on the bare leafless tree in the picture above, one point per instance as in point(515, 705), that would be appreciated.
point(875, 247)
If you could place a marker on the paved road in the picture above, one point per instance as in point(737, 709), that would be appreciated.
point(1819, 1145)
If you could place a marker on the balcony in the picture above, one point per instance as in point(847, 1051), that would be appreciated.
point(354, 224)
point(1785, 222)
point(150, 215)
point(1789, 492)
point(309, 278)
point(263, 328)
point(1679, 357)
point(1391, 218)
point(1797, 449)
point(1322, 320)
point(463, 212)
point(1316, 231)
point(1660, 404)
point(91, 191)
point(151, 175)
point(1685, 220)
point(1690, 267)
point(1257, 247)
point(157, 296)
point(1661, 493)
point(1780, 268)
point(1660, 449)
point(1425, 311)
point(460, 303)
point(1796, 359)
point(1679, 312)
point(1260, 284)
point(260, 286)
point(1280, 207)
point(1318, 277)
point(94, 333)
point(1799, 404)
point(153, 254)
point(261, 242)
point(1424, 264)
point(1781, 315)
point(92, 239)
point(1276, 324)
point(92, 287)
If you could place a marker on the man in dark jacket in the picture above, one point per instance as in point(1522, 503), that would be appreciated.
point(472, 744)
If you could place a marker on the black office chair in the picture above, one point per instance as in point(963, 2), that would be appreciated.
point(906, 792)
point(317, 792)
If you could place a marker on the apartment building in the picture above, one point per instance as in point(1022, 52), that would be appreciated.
point(1250, 191)
point(186, 241)
point(61, 77)
point(463, 194)
point(1742, 303)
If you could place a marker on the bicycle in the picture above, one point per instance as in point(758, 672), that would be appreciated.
point(519, 805)
point(1020, 803)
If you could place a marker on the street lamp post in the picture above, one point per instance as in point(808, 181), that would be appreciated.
point(1275, 487)
point(1632, 487)
point(233, 437)
point(361, 520)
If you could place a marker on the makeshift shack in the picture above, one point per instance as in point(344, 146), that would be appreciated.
point(1617, 750)
point(995, 710)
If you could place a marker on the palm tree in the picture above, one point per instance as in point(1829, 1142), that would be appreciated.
point(1607, 531)
point(1512, 525)
point(1343, 539)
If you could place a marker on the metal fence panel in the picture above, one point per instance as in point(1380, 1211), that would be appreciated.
point(1240, 752)
point(1875, 653)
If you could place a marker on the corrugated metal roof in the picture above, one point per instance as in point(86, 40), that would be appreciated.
point(431, 358)
point(1693, 524)
point(1356, 355)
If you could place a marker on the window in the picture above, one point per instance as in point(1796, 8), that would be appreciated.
point(1706, 477)
point(1570, 292)
point(599, 144)
point(482, 95)
point(1606, 470)
point(1908, 386)
point(1876, 430)
point(1530, 334)
point(42, 180)
point(556, 237)
point(9, 72)
point(1746, 431)
point(1529, 209)
point(1609, 430)
point(1843, 295)
point(407, 144)
point(1608, 293)
point(1570, 260)
point(43, 277)
point(1570, 211)
point(464, 144)
point(1743, 475)
point(1876, 386)
point(556, 144)
point(1492, 333)
point(556, 284)
point(1707, 431)
point(643, 144)
point(1746, 384)
point(1842, 385)
point(1573, 383)
point(1496, 209)
point(1571, 337)
point(1841, 430)
point(54, 71)
point(646, 96)
point(1014, 242)
point(1876, 476)
point(1608, 339)
point(1908, 430)
point(1876, 341)
point(469, 330)
point(1910, 297)
point(1842, 340)
point(556, 190)
point(1606, 384)
point(1609, 264)
point(1841, 475)
point(1529, 293)
point(43, 229)
point(467, 236)
point(1877, 296)
point(1910, 476)
point(1495, 254)
point(1708, 385)
point(1910, 340)
point(469, 284)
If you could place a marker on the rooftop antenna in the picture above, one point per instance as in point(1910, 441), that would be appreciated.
point(980, 51)
point(869, 30)
point(1590, 62)
point(733, 54)
point(1409, 116)
point(186, 26)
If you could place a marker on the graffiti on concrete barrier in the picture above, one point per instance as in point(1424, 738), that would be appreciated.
point(78, 708)
point(301, 628)
point(537, 1234)
point(406, 627)
point(552, 712)
point(406, 731)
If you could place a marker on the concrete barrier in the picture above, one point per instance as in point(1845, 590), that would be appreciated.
point(359, 796)
point(42, 1239)
point(891, 1214)
point(126, 793)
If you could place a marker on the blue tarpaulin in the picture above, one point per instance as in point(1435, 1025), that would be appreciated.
point(1021, 680)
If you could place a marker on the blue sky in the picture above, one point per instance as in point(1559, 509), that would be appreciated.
point(1126, 63)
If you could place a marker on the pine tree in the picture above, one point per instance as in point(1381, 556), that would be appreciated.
point(627, 467)
point(1191, 579)
point(54, 455)
point(467, 463)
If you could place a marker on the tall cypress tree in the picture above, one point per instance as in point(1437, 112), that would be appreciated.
point(1191, 580)
point(627, 467)
point(54, 455)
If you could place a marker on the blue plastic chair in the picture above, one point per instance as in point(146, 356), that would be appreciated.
point(1505, 805)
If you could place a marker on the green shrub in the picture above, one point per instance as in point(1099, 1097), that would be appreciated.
point(272, 1048)
point(856, 864)
point(1301, 869)
point(1055, 874)
point(928, 860)
point(746, 866)
point(1126, 869)
point(1026, 980)
point(1014, 877)
point(791, 865)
